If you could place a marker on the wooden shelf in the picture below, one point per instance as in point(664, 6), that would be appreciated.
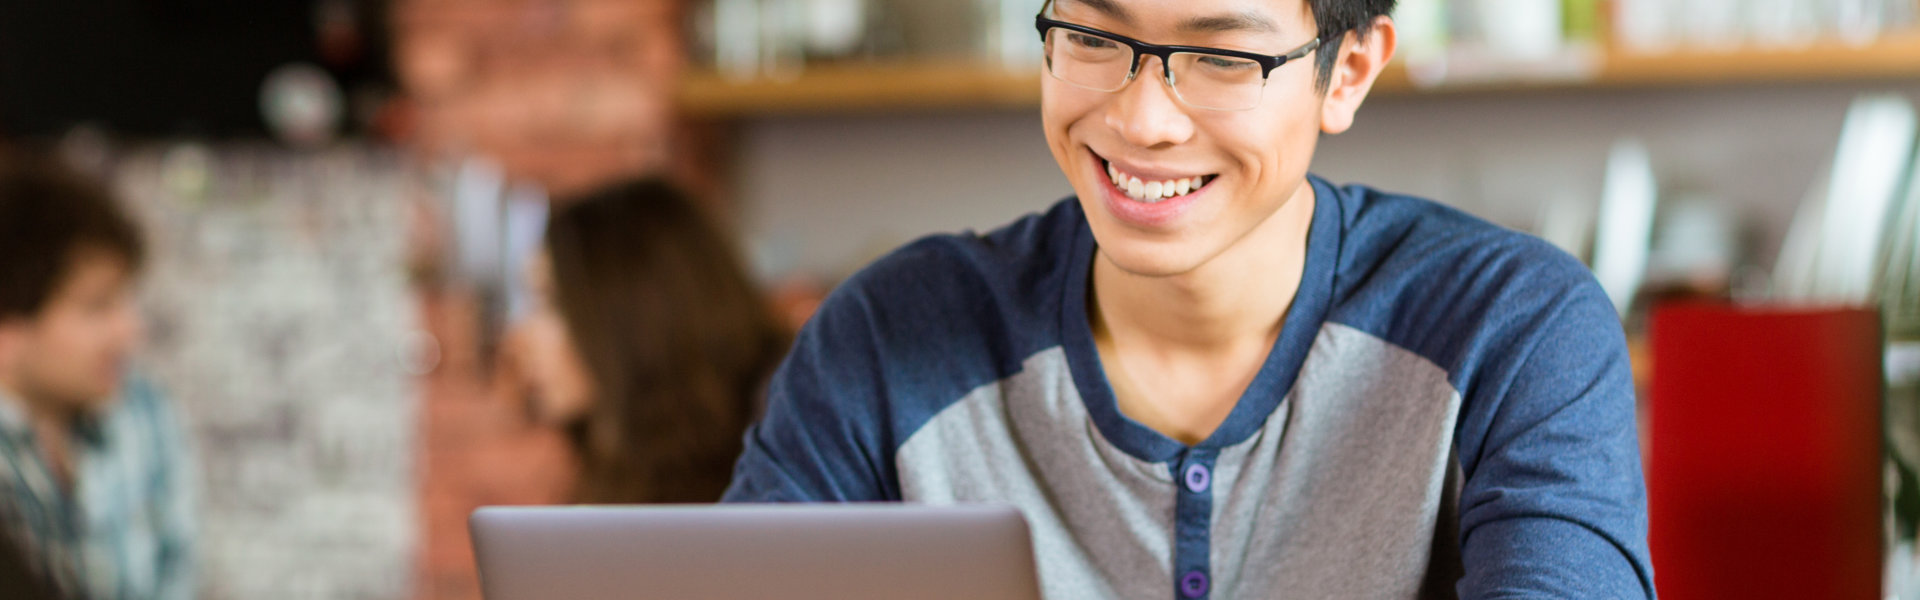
point(899, 87)
point(1888, 59)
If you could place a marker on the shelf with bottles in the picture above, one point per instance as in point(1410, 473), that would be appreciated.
point(1884, 59)
point(902, 86)
point(856, 56)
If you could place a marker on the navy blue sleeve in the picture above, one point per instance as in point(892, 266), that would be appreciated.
point(891, 347)
point(1554, 503)
point(820, 440)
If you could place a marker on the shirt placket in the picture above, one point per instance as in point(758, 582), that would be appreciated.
point(1193, 523)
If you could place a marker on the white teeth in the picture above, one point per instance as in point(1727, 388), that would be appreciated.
point(1153, 191)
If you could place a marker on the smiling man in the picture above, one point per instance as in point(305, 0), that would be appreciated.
point(1212, 375)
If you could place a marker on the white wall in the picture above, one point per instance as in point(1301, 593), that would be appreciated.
point(825, 194)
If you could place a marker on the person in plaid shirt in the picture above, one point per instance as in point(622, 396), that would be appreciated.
point(95, 480)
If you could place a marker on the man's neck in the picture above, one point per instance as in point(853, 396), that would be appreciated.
point(52, 426)
point(10, 395)
point(1180, 351)
point(1236, 299)
point(40, 412)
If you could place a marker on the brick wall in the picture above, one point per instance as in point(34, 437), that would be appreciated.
point(567, 93)
point(479, 450)
point(279, 322)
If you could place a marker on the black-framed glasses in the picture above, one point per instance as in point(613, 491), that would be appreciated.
point(1208, 78)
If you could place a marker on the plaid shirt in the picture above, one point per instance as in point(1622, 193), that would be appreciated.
point(125, 529)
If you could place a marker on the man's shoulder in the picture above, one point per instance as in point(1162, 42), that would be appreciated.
point(1445, 283)
point(964, 294)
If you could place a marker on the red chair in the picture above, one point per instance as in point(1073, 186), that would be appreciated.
point(1765, 458)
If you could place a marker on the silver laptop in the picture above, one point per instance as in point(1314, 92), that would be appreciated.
point(742, 552)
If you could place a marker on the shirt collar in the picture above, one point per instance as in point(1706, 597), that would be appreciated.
point(15, 424)
point(13, 417)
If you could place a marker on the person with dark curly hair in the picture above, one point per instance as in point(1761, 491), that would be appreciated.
point(96, 481)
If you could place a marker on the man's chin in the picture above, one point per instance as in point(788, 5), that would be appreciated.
point(1157, 261)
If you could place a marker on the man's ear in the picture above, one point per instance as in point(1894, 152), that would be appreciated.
point(1361, 61)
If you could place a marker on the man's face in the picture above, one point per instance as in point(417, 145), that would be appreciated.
point(1252, 162)
point(73, 353)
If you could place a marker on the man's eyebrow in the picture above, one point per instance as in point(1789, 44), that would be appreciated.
point(1240, 21)
point(1221, 23)
point(1109, 8)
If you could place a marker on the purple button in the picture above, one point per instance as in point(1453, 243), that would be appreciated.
point(1193, 584)
point(1198, 477)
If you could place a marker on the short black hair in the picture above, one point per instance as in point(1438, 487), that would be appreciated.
point(48, 214)
point(1335, 19)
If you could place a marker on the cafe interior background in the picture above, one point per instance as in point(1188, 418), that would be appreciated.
point(341, 193)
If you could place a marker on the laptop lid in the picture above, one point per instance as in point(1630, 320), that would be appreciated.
point(731, 552)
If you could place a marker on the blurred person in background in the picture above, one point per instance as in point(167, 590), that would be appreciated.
point(648, 344)
point(95, 480)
